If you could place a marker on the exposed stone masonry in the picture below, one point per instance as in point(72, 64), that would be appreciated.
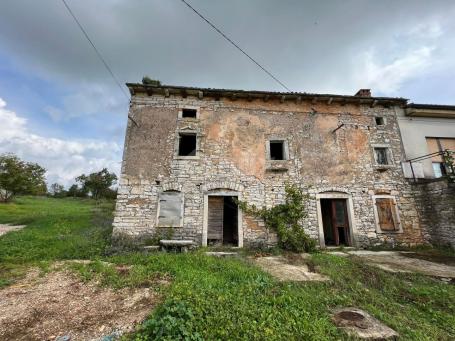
point(232, 142)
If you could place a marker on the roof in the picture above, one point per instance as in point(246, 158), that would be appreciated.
point(184, 91)
point(430, 110)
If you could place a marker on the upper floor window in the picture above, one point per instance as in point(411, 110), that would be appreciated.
point(379, 121)
point(381, 156)
point(187, 144)
point(277, 150)
point(191, 113)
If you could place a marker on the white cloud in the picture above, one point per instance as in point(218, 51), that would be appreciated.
point(388, 78)
point(63, 159)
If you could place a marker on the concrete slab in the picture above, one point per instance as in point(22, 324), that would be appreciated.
point(280, 268)
point(5, 228)
point(396, 261)
point(221, 254)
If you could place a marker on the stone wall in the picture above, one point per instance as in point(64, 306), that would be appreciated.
point(436, 204)
point(231, 156)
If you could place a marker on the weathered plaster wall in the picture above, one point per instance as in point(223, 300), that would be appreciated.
point(232, 155)
point(436, 204)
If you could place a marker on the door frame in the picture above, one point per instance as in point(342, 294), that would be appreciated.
point(351, 218)
point(221, 193)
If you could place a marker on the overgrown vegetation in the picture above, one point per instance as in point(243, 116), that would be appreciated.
point(208, 298)
point(286, 220)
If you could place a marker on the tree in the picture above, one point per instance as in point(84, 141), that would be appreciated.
point(146, 80)
point(20, 177)
point(98, 184)
point(57, 190)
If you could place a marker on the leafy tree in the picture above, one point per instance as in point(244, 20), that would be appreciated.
point(57, 190)
point(20, 177)
point(98, 184)
point(75, 191)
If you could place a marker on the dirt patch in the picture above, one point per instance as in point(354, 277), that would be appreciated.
point(58, 304)
point(5, 228)
point(284, 269)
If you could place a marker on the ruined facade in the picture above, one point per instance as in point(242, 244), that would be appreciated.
point(190, 152)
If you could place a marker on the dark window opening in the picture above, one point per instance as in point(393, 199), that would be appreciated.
point(191, 113)
point(187, 145)
point(277, 150)
point(379, 121)
point(381, 156)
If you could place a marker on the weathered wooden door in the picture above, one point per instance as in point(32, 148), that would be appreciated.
point(340, 221)
point(215, 218)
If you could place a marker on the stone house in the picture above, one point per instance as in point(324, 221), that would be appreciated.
point(190, 152)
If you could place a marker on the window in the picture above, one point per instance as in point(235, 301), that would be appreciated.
point(187, 144)
point(170, 209)
point(379, 121)
point(277, 150)
point(190, 113)
point(381, 155)
point(438, 169)
point(387, 219)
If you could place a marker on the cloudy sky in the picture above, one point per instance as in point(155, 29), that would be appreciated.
point(59, 106)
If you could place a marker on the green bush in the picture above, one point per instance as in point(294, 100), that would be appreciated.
point(285, 219)
point(172, 321)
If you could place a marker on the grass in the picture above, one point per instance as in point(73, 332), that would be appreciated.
point(228, 299)
point(57, 229)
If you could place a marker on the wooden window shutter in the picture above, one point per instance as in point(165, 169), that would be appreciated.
point(386, 214)
point(170, 214)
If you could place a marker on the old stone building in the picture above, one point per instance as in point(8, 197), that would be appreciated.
point(190, 152)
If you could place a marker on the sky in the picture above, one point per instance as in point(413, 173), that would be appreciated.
point(60, 107)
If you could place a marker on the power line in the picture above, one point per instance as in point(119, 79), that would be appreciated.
point(235, 45)
point(96, 50)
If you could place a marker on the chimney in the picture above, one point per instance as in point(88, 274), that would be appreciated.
point(363, 93)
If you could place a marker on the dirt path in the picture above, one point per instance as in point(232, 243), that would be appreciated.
point(5, 228)
point(59, 304)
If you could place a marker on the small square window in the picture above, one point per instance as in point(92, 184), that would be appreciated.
point(277, 150)
point(438, 169)
point(189, 113)
point(379, 121)
point(187, 145)
point(381, 157)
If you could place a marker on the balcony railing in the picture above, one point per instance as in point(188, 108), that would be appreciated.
point(448, 163)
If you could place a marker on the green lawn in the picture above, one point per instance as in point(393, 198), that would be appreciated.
point(225, 299)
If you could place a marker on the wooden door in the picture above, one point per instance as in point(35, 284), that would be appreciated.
point(340, 220)
point(215, 218)
point(386, 210)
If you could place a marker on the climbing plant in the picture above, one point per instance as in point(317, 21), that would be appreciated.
point(449, 163)
point(286, 220)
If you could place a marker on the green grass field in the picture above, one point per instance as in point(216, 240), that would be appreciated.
point(223, 299)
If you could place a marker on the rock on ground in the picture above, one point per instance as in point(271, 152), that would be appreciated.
point(5, 228)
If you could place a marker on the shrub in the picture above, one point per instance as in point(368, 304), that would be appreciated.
point(285, 219)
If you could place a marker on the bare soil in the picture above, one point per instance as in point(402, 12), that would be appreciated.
point(59, 304)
